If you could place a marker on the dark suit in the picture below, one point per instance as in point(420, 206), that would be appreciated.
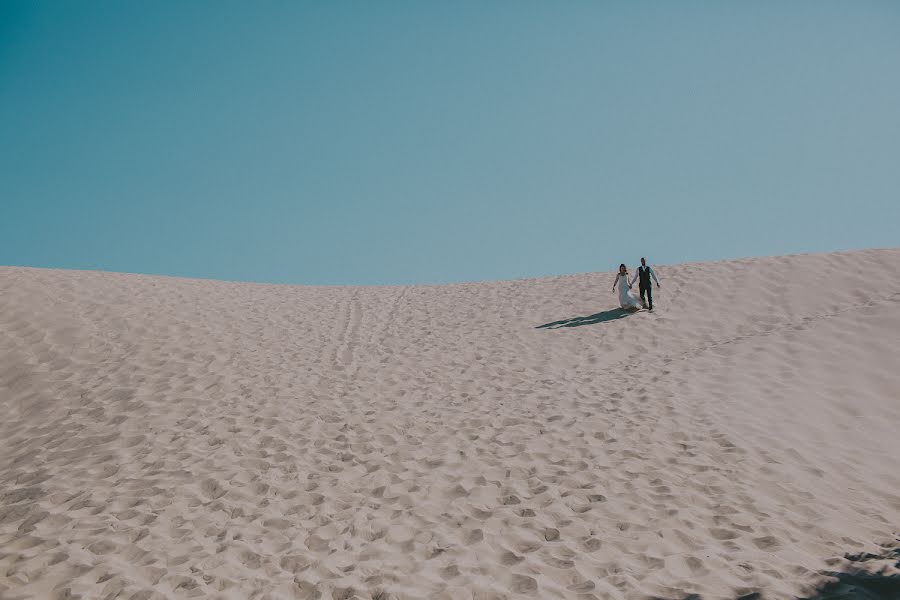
point(646, 286)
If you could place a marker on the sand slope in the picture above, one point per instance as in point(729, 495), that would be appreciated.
point(172, 438)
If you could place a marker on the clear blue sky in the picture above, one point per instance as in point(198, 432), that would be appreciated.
point(417, 142)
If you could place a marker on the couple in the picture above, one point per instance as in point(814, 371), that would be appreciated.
point(626, 299)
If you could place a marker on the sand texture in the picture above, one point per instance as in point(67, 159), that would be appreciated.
point(175, 438)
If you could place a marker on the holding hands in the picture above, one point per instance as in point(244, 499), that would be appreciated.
point(647, 277)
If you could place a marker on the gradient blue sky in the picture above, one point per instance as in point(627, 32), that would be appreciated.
point(418, 142)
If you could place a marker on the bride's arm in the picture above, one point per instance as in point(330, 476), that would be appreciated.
point(615, 282)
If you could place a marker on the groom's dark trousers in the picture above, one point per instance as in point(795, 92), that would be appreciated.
point(645, 286)
point(648, 289)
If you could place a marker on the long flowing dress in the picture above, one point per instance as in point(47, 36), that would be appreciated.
point(627, 300)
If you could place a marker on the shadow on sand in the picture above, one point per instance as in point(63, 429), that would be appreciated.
point(870, 577)
point(872, 581)
point(600, 317)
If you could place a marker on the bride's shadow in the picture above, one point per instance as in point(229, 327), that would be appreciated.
point(600, 317)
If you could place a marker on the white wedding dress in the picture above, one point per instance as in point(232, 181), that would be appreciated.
point(627, 300)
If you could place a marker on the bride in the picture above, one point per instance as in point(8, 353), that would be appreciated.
point(627, 300)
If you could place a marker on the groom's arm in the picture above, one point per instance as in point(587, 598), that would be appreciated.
point(653, 273)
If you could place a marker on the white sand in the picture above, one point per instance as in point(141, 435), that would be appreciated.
point(172, 438)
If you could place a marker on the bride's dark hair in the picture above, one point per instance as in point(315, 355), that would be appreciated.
point(622, 266)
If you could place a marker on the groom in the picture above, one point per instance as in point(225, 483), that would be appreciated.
point(644, 273)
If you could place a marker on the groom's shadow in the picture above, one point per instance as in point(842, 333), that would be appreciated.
point(600, 317)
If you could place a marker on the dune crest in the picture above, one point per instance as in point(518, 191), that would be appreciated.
point(175, 438)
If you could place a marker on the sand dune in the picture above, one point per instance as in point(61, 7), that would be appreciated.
point(173, 438)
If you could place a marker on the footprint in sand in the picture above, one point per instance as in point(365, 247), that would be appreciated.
point(523, 584)
point(473, 537)
point(768, 543)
